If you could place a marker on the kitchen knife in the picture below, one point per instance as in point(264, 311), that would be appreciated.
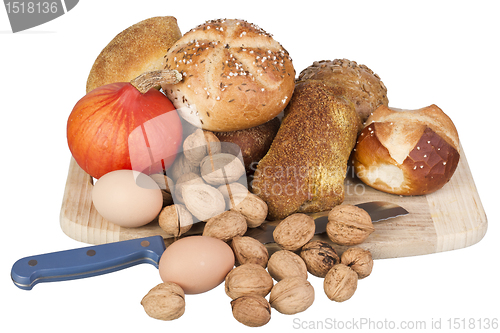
point(87, 261)
point(106, 258)
point(378, 211)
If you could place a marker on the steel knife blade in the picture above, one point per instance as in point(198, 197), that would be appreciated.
point(378, 211)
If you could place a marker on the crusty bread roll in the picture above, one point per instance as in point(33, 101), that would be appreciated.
point(407, 152)
point(236, 76)
point(305, 168)
point(137, 49)
point(358, 83)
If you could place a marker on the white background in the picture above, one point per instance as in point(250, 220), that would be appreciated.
point(426, 52)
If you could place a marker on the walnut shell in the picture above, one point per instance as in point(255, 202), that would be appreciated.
point(253, 311)
point(348, 225)
point(199, 144)
point(181, 166)
point(248, 279)
point(284, 263)
point(292, 295)
point(229, 190)
point(360, 260)
point(165, 183)
point(319, 257)
point(203, 201)
point(249, 250)
point(340, 283)
point(189, 178)
point(251, 206)
point(175, 220)
point(294, 231)
point(164, 302)
point(218, 169)
point(226, 226)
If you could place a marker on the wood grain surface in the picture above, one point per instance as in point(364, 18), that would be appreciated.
point(449, 219)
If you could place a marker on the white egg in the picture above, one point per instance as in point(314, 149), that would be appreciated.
point(127, 198)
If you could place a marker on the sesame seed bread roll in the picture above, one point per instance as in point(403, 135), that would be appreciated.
point(235, 76)
point(139, 48)
point(407, 152)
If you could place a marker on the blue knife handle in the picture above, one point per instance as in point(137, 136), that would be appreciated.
point(87, 261)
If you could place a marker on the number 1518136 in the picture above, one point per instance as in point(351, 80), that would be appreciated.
point(30, 7)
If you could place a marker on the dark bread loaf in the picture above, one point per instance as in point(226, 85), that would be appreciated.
point(305, 168)
point(253, 142)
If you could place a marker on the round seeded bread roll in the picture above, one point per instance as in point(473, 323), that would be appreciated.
point(358, 83)
point(407, 152)
point(137, 49)
point(235, 76)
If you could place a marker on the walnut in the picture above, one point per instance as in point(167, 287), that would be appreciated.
point(228, 190)
point(292, 295)
point(248, 279)
point(181, 166)
point(253, 311)
point(359, 260)
point(165, 183)
point(348, 225)
point(251, 206)
point(226, 226)
point(175, 220)
point(340, 283)
point(203, 201)
point(319, 257)
point(189, 178)
point(294, 231)
point(218, 169)
point(249, 250)
point(284, 264)
point(200, 144)
point(164, 302)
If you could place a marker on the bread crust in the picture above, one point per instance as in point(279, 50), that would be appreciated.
point(235, 76)
point(412, 152)
point(358, 82)
point(305, 168)
point(139, 48)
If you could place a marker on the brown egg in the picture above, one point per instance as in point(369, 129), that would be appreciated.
point(127, 198)
point(196, 263)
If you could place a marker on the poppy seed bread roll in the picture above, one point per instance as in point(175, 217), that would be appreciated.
point(305, 168)
point(407, 152)
point(235, 76)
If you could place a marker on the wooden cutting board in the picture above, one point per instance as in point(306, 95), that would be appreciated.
point(448, 219)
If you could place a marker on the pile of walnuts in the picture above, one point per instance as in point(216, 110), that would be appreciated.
point(283, 275)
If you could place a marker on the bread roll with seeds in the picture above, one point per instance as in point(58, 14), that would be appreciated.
point(139, 48)
point(357, 82)
point(407, 152)
point(235, 76)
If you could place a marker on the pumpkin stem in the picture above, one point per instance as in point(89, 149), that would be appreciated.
point(155, 79)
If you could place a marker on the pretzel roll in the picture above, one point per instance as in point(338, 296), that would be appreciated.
point(407, 152)
point(235, 76)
